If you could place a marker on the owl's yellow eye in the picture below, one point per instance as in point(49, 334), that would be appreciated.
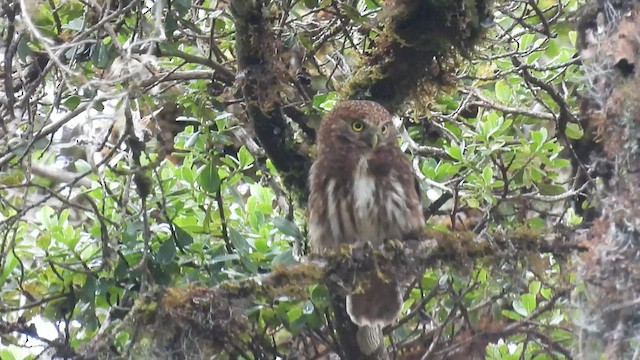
point(357, 125)
point(385, 129)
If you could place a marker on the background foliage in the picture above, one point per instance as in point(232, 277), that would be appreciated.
point(132, 160)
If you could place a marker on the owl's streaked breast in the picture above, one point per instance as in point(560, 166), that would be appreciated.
point(381, 211)
point(366, 208)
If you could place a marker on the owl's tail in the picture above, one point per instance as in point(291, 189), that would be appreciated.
point(379, 305)
point(370, 340)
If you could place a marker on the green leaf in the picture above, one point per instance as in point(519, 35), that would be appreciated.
point(75, 24)
point(6, 355)
point(249, 265)
point(294, 313)
point(88, 291)
point(44, 241)
point(87, 317)
point(574, 131)
point(183, 237)
point(192, 140)
point(167, 252)
point(550, 189)
point(72, 102)
point(261, 245)
point(526, 40)
point(287, 227)
point(311, 4)
point(98, 105)
point(305, 41)
point(10, 263)
point(503, 92)
point(371, 5)
point(223, 258)
point(573, 36)
point(487, 175)
point(170, 24)
point(455, 152)
point(284, 258)
point(102, 55)
point(561, 163)
point(536, 223)
point(511, 315)
point(23, 48)
point(131, 232)
point(238, 241)
point(320, 295)
point(181, 6)
point(520, 308)
point(473, 203)
point(534, 287)
point(552, 49)
point(525, 305)
point(245, 158)
point(529, 302)
point(539, 137)
point(353, 13)
point(219, 25)
point(209, 179)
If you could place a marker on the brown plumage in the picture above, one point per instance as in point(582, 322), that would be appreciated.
point(363, 189)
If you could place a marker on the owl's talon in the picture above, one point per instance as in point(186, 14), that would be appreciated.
point(390, 244)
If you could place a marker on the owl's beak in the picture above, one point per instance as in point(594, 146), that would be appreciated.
point(373, 139)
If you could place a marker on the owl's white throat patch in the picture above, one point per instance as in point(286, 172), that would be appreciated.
point(364, 189)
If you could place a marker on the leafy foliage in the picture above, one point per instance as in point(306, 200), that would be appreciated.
point(130, 163)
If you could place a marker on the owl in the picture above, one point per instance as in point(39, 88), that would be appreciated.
point(363, 188)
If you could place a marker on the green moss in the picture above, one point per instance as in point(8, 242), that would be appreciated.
point(292, 280)
point(524, 234)
point(414, 34)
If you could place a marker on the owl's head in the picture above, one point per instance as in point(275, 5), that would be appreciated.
point(361, 125)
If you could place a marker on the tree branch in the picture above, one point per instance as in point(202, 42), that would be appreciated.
point(261, 86)
point(211, 317)
point(418, 36)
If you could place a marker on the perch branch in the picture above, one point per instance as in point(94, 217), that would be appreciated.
point(217, 315)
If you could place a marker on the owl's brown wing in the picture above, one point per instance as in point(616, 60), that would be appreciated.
point(417, 233)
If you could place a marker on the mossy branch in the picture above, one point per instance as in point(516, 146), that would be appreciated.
point(216, 319)
point(417, 46)
point(261, 84)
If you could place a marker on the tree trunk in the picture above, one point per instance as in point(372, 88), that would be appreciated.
point(609, 301)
